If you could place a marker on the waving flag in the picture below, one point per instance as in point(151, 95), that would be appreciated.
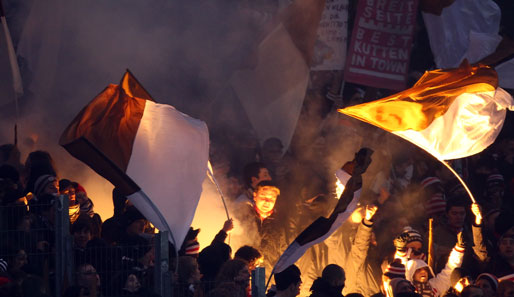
point(461, 29)
point(449, 113)
point(10, 78)
point(323, 227)
point(272, 92)
point(153, 153)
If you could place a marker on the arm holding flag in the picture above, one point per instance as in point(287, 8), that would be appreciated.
point(322, 228)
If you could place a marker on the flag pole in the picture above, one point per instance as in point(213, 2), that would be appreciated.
point(211, 177)
point(430, 243)
point(461, 181)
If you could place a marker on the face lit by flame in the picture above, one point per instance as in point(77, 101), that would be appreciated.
point(265, 199)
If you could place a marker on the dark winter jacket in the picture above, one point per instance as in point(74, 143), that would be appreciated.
point(321, 288)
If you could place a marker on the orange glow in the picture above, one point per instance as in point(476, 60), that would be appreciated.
point(357, 215)
point(461, 284)
point(339, 189)
point(417, 107)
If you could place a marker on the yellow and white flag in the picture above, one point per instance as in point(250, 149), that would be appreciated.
point(450, 113)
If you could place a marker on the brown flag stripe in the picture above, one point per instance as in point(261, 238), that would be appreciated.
point(103, 133)
point(133, 88)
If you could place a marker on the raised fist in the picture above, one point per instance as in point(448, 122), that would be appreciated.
point(400, 242)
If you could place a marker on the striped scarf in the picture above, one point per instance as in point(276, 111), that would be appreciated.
point(424, 289)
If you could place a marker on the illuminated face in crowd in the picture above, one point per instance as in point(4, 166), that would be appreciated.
point(265, 198)
point(456, 216)
point(70, 191)
point(421, 275)
point(506, 247)
point(416, 252)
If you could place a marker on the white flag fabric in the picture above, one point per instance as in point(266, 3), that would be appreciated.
point(272, 93)
point(465, 29)
point(156, 155)
point(506, 74)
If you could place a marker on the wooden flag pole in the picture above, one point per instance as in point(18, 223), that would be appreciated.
point(430, 243)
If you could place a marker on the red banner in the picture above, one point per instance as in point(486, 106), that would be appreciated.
point(381, 43)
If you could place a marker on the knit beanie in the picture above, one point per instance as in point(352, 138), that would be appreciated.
point(42, 182)
point(191, 246)
point(495, 180)
point(490, 278)
point(413, 234)
point(395, 269)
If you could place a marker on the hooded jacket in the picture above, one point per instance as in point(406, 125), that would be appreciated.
point(439, 283)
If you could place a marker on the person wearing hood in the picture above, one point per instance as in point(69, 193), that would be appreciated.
point(331, 282)
point(423, 278)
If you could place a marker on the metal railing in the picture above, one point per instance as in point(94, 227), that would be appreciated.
point(45, 250)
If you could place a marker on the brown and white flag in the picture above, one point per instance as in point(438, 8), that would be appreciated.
point(152, 152)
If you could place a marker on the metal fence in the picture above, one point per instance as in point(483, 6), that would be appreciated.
point(38, 246)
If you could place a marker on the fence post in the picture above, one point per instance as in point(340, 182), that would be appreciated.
point(62, 237)
point(162, 279)
point(258, 282)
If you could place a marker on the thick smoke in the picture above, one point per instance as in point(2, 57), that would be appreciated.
point(183, 52)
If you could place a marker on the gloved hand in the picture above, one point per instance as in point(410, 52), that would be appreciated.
point(400, 242)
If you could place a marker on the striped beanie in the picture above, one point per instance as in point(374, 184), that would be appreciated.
point(490, 278)
point(414, 234)
point(436, 202)
point(495, 180)
point(42, 182)
point(190, 247)
point(395, 269)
